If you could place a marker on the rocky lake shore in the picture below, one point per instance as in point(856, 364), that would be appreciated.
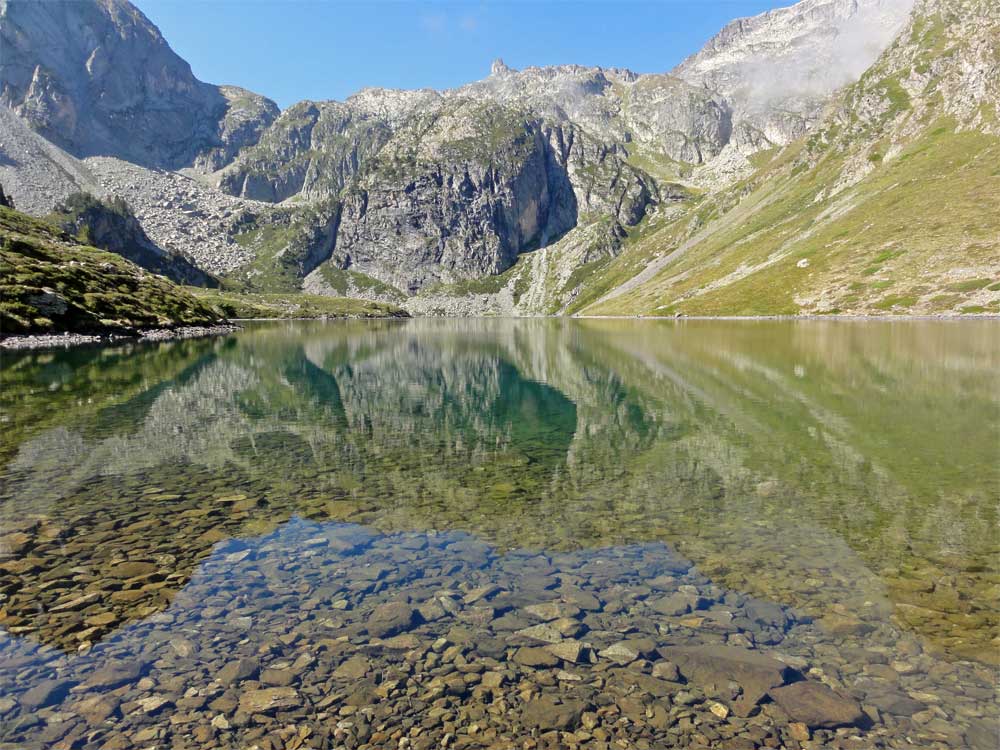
point(66, 340)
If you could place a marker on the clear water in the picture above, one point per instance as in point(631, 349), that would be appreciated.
point(185, 505)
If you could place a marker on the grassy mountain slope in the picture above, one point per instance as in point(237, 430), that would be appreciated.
point(891, 206)
point(50, 282)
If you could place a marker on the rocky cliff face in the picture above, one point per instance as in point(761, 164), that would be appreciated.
point(245, 117)
point(683, 122)
point(312, 150)
point(37, 173)
point(315, 148)
point(461, 193)
point(97, 78)
point(452, 185)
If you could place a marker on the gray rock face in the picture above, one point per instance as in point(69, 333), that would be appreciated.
point(479, 187)
point(97, 78)
point(246, 117)
point(458, 189)
point(444, 186)
point(683, 122)
point(35, 173)
point(313, 149)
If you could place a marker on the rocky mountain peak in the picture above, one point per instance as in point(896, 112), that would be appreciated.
point(777, 70)
point(499, 67)
point(98, 78)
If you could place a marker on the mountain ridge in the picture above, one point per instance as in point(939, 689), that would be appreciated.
point(881, 145)
point(550, 189)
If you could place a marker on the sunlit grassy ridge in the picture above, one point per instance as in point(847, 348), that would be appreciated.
point(50, 282)
point(891, 205)
point(921, 233)
point(344, 281)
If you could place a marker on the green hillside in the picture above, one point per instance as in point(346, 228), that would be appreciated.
point(892, 205)
point(50, 282)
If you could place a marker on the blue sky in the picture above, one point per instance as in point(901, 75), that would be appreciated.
point(322, 49)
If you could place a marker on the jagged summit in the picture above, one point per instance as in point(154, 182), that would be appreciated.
point(499, 67)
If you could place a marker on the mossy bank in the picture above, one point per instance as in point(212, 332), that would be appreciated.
point(50, 283)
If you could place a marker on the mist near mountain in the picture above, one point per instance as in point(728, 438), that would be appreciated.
point(794, 57)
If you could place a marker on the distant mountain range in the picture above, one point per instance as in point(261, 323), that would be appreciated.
point(833, 156)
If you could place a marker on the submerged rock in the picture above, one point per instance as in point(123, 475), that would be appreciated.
point(755, 673)
point(46, 693)
point(238, 670)
point(535, 657)
point(268, 699)
point(392, 618)
point(817, 706)
point(546, 714)
point(114, 675)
